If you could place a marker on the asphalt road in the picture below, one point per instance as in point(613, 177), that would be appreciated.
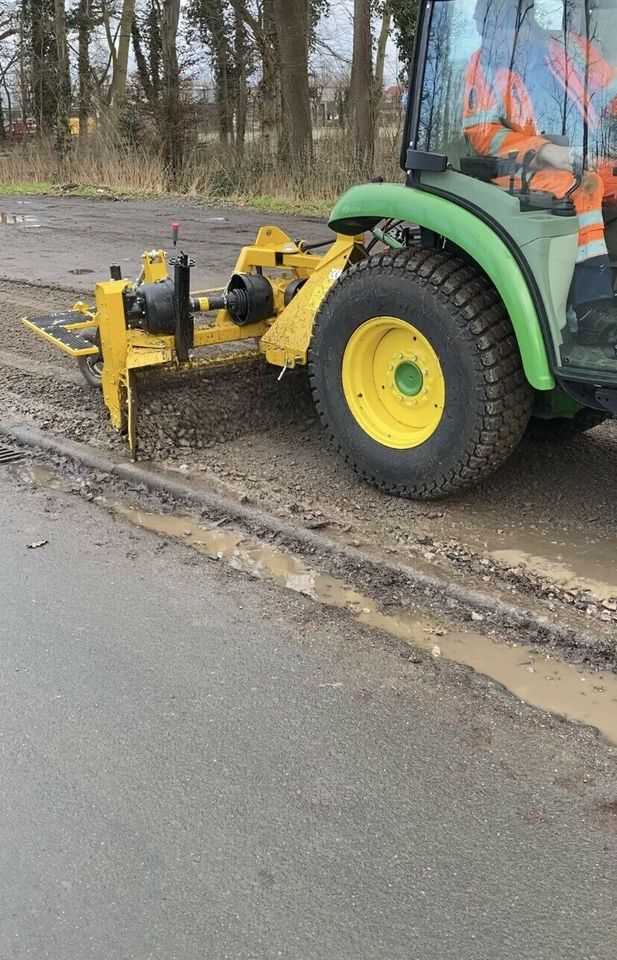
point(72, 241)
point(197, 766)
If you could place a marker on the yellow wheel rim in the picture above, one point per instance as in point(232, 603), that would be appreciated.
point(393, 382)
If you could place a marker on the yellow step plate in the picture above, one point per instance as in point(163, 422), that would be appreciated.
point(56, 327)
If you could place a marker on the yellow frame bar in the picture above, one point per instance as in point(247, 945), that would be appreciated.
point(283, 339)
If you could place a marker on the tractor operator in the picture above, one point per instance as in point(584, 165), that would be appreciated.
point(525, 89)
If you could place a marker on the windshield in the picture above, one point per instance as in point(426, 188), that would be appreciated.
point(547, 69)
point(523, 95)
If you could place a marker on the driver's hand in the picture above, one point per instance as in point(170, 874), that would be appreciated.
point(551, 155)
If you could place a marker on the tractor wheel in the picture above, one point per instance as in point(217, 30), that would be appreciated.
point(562, 429)
point(416, 374)
point(91, 366)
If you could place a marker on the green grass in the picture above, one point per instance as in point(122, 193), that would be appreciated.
point(24, 188)
point(283, 205)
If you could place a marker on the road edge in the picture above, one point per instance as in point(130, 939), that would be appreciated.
point(576, 644)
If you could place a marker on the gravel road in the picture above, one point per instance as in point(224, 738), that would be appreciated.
point(544, 525)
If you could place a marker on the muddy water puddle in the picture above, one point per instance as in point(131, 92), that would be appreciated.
point(18, 220)
point(572, 560)
point(535, 677)
point(35, 475)
point(532, 675)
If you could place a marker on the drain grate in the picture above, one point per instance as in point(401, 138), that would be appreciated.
point(9, 454)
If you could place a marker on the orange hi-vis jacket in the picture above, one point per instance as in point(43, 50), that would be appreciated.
point(499, 121)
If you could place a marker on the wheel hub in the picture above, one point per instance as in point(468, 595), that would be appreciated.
point(393, 382)
point(408, 378)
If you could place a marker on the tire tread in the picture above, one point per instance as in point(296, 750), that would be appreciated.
point(505, 397)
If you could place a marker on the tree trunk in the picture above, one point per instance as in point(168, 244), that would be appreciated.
point(361, 96)
point(143, 69)
point(222, 92)
point(64, 81)
point(83, 65)
point(380, 65)
point(292, 26)
point(382, 43)
point(270, 86)
point(217, 33)
point(173, 126)
point(23, 87)
point(154, 47)
point(241, 57)
point(9, 105)
point(39, 27)
point(117, 89)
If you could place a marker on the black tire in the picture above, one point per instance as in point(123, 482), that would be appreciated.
point(562, 429)
point(488, 399)
point(91, 367)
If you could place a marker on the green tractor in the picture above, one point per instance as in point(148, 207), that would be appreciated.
point(428, 365)
point(484, 296)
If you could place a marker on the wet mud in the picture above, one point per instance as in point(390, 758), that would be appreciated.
point(544, 526)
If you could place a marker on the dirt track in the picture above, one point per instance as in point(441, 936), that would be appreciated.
point(546, 524)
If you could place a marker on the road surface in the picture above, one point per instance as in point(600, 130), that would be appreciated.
point(543, 527)
point(197, 766)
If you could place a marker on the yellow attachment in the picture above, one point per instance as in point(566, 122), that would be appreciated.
point(203, 304)
point(287, 341)
point(283, 338)
point(154, 266)
point(63, 330)
point(393, 382)
point(114, 347)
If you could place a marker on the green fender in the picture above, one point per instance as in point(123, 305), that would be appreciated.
point(362, 207)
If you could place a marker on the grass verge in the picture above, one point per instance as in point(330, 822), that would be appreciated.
point(211, 174)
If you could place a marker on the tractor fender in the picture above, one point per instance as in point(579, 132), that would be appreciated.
point(362, 207)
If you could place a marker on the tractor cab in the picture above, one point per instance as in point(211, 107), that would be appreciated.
point(513, 113)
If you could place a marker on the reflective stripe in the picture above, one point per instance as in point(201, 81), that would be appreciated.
point(590, 219)
point(497, 141)
point(481, 117)
point(595, 248)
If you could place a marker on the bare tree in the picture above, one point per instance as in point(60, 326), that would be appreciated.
point(265, 39)
point(293, 38)
point(84, 27)
point(146, 37)
point(40, 72)
point(241, 67)
point(120, 57)
point(361, 94)
point(63, 94)
point(382, 43)
point(172, 114)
